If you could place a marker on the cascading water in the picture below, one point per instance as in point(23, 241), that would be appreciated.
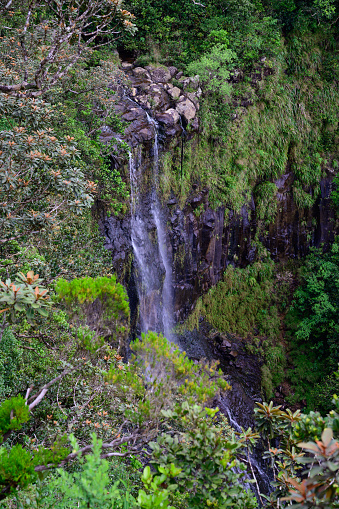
point(153, 269)
point(153, 262)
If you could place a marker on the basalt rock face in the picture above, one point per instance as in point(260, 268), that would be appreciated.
point(204, 245)
point(242, 368)
point(203, 241)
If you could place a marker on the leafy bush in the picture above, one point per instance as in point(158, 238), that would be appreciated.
point(112, 310)
point(89, 487)
point(313, 323)
point(214, 69)
point(206, 460)
point(24, 295)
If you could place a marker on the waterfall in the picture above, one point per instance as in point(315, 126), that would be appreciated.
point(154, 278)
point(152, 260)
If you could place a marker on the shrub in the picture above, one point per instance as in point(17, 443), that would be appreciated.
point(101, 302)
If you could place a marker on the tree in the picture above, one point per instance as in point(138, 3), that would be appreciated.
point(53, 37)
point(41, 175)
point(214, 69)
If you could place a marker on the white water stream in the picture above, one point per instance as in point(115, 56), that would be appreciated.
point(153, 261)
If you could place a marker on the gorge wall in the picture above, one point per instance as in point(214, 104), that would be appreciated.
point(201, 240)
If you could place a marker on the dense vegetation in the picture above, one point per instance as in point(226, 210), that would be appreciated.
point(80, 424)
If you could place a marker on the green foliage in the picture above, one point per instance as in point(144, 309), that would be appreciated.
point(242, 301)
point(272, 121)
point(16, 468)
point(10, 361)
point(169, 375)
point(181, 31)
point(154, 483)
point(267, 202)
point(89, 487)
point(40, 173)
point(79, 294)
point(214, 69)
point(313, 321)
point(24, 295)
point(206, 459)
point(13, 414)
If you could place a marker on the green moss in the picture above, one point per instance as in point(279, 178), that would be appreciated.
point(241, 302)
point(291, 125)
point(266, 382)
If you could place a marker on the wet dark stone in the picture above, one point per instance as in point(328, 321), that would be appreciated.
point(243, 370)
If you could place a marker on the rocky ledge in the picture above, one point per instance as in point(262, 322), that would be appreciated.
point(162, 93)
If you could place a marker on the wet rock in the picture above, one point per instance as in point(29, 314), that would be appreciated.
point(244, 378)
point(186, 109)
point(144, 101)
point(172, 201)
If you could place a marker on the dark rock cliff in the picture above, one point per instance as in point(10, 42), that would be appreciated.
point(203, 245)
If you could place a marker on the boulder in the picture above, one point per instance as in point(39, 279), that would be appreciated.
point(190, 82)
point(126, 66)
point(134, 114)
point(192, 97)
point(170, 117)
point(186, 109)
point(140, 72)
point(194, 82)
point(179, 75)
point(158, 97)
point(174, 92)
point(173, 71)
point(143, 100)
point(159, 74)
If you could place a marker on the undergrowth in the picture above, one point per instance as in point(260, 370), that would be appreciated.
point(289, 124)
point(250, 302)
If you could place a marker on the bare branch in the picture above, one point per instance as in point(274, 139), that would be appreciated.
point(110, 445)
point(34, 400)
